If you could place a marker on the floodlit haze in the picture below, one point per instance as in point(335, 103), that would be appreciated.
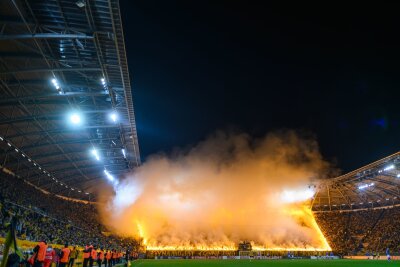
point(226, 189)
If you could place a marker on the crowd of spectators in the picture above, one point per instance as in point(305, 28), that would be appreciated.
point(363, 232)
point(45, 216)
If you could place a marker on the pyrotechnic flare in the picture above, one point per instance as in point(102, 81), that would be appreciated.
point(225, 190)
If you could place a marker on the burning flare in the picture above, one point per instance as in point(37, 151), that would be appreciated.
point(226, 190)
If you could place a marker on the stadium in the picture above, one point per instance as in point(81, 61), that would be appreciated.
point(70, 162)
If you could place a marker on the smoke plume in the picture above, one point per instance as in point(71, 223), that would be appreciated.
point(227, 189)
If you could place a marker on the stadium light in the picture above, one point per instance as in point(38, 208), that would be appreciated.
point(75, 118)
point(114, 116)
point(95, 154)
point(365, 186)
point(388, 168)
point(55, 83)
point(109, 176)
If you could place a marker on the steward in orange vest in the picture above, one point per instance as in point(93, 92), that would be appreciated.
point(64, 256)
point(93, 256)
point(86, 255)
point(113, 257)
point(108, 259)
point(100, 257)
point(40, 253)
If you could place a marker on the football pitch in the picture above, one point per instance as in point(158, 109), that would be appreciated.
point(270, 263)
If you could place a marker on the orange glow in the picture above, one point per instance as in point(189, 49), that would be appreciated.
point(302, 214)
point(225, 191)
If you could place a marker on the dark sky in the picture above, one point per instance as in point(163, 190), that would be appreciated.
point(199, 66)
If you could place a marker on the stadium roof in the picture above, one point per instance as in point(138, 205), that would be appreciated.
point(372, 186)
point(63, 72)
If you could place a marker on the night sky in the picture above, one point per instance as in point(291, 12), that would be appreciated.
point(333, 71)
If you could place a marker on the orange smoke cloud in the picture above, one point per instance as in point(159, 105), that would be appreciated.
point(226, 189)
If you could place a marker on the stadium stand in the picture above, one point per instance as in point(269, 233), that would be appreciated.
point(45, 216)
point(358, 211)
point(361, 232)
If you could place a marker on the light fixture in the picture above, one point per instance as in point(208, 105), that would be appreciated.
point(95, 154)
point(114, 116)
point(109, 176)
point(75, 118)
point(80, 3)
point(123, 152)
point(365, 186)
point(388, 168)
point(55, 83)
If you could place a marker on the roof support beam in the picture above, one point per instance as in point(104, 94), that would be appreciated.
point(48, 70)
point(45, 36)
point(52, 95)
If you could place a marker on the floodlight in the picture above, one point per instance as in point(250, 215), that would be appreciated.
point(55, 83)
point(80, 3)
point(365, 186)
point(388, 168)
point(75, 118)
point(96, 154)
point(109, 176)
point(114, 116)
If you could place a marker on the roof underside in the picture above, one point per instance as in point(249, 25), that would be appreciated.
point(372, 186)
point(77, 46)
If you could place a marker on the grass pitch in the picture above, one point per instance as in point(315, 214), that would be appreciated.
point(269, 263)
